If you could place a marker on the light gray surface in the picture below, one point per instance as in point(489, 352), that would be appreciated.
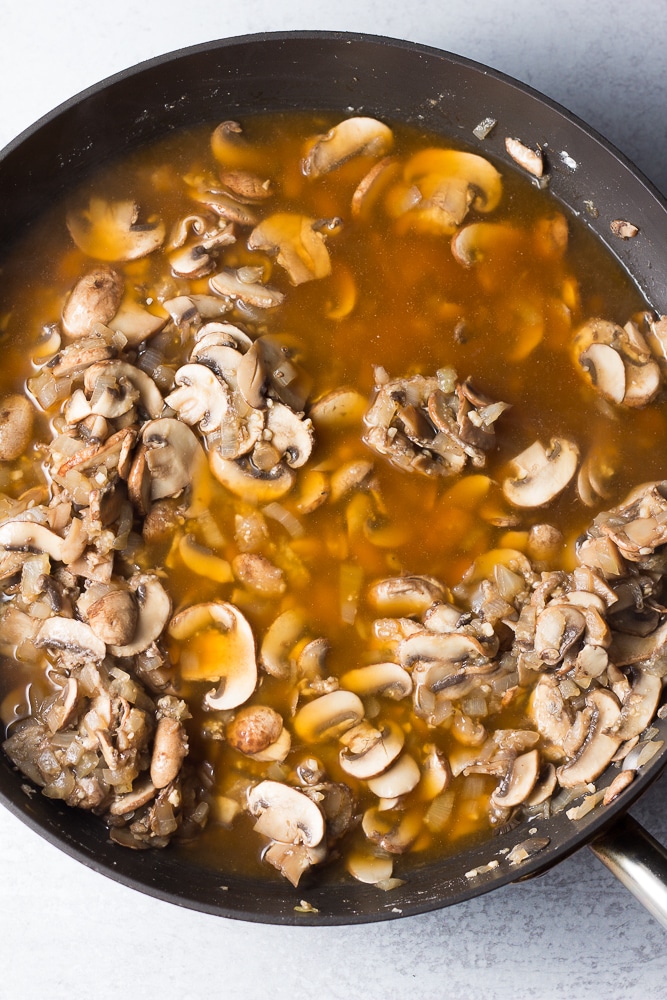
point(573, 934)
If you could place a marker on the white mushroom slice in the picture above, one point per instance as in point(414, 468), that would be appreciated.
point(519, 781)
point(558, 628)
point(478, 174)
point(154, 607)
point(638, 706)
point(71, 635)
point(95, 298)
point(369, 868)
point(478, 241)
point(136, 323)
point(339, 408)
point(400, 596)
point(541, 473)
point(230, 284)
point(393, 831)
point(643, 384)
point(530, 159)
point(357, 136)
point(291, 435)
point(436, 774)
point(627, 649)
point(367, 751)
point(599, 746)
point(286, 814)
point(253, 485)
point(547, 710)
point(606, 370)
point(201, 398)
point(398, 780)
point(328, 716)
point(28, 536)
point(173, 454)
point(235, 665)
point(170, 747)
point(149, 394)
point(109, 230)
point(299, 246)
point(280, 639)
point(112, 454)
point(386, 679)
point(457, 651)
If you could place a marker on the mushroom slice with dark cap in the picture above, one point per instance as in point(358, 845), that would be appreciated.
point(95, 298)
point(109, 230)
point(173, 455)
point(71, 635)
point(150, 396)
point(599, 745)
point(328, 716)
point(246, 480)
point(519, 781)
point(153, 609)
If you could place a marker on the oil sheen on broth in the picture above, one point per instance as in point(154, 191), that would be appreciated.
point(396, 302)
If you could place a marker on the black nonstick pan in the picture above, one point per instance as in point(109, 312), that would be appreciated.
point(443, 93)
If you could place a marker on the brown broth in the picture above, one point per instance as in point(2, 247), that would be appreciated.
point(416, 310)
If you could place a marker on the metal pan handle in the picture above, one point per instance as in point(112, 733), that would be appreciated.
point(638, 861)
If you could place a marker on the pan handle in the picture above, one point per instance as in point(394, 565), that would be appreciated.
point(638, 861)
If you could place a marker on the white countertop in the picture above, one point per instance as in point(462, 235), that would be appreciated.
point(575, 932)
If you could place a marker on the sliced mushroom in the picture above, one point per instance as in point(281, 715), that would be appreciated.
point(108, 230)
point(399, 596)
point(530, 159)
point(114, 616)
point(291, 435)
point(245, 480)
point(136, 323)
point(153, 609)
point(548, 710)
point(638, 706)
point(388, 680)
point(328, 716)
point(149, 394)
point(599, 746)
point(479, 175)
point(397, 780)
point(255, 293)
point(235, 664)
point(357, 136)
point(519, 781)
point(170, 747)
point(392, 830)
point(606, 370)
point(254, 728)
point(70, 635)
point(286, 814)
point(280, 638)
point(298, 244)
point(174, 456)
point(28, 536)
point(368, 751)
point(541, 473)
point(16, 423)
point(339, 408)
point(201, 398)
point(95, 298)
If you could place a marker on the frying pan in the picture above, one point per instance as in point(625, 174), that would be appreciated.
point(449, 95)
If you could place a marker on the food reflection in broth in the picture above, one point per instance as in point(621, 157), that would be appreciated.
point(313, 540)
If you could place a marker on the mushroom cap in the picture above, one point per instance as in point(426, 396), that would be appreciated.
point(235, 664)
point(541, 473)
point(286, 814)
point(95, 298)
point(387, 679)
point(108, 230)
